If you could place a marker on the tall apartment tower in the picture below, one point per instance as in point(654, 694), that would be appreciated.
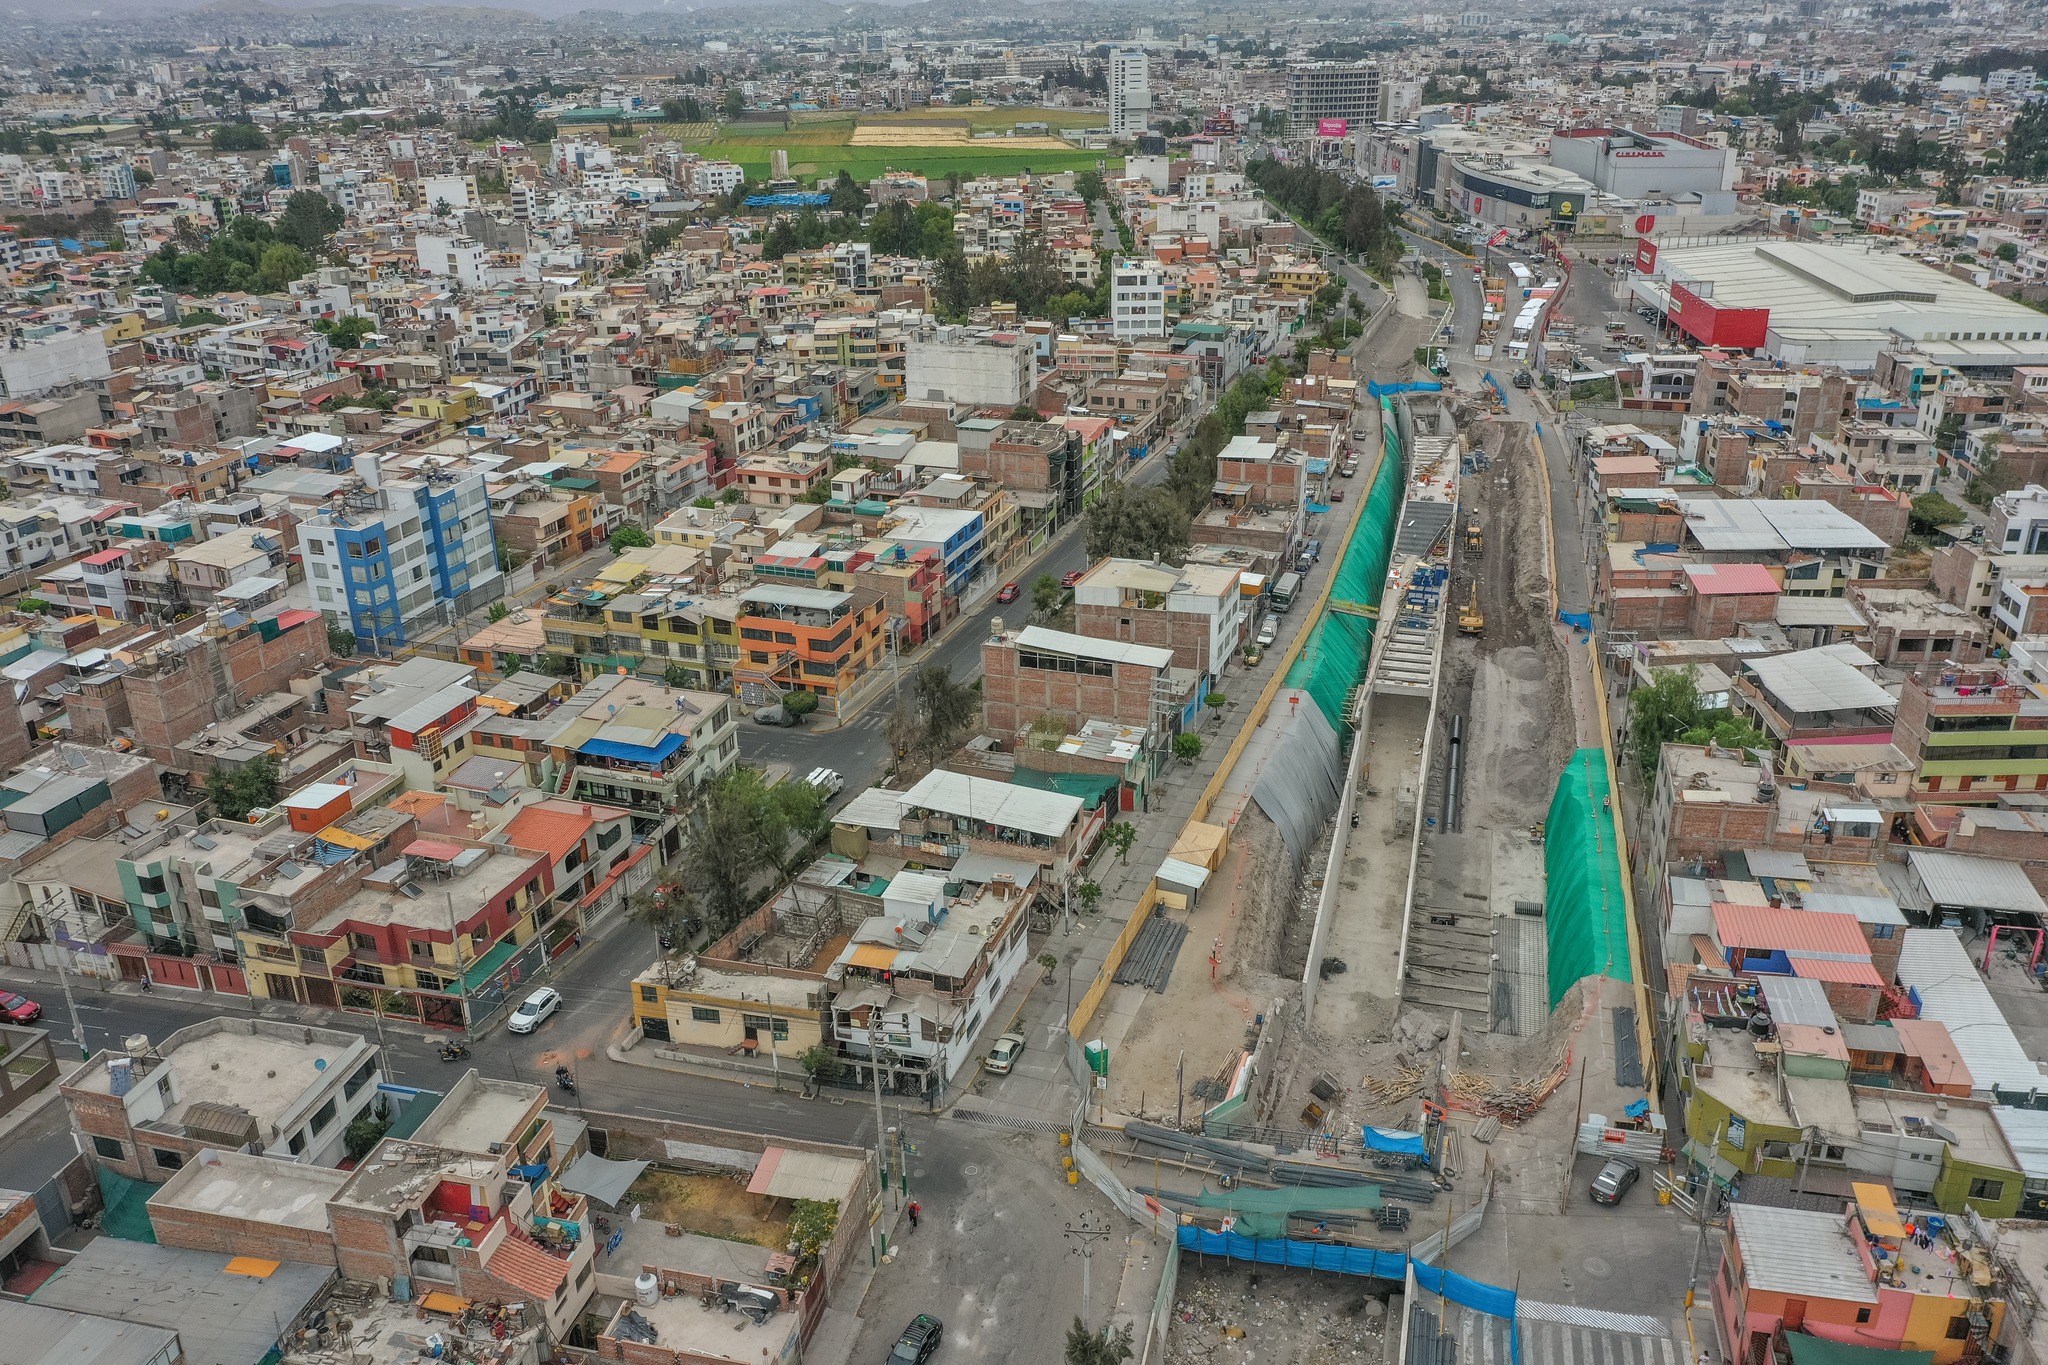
point(1351, 91)
point(1130, 92)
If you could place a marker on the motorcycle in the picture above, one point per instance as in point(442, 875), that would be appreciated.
point(565, 1080)
point(454, 1051)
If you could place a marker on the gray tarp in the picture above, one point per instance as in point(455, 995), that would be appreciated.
point(605, 1181)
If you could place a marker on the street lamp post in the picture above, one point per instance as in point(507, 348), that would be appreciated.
point(875, 1073)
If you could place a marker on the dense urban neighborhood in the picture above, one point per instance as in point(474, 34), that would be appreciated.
point(950, 683)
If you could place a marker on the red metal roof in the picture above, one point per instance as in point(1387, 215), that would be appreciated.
point(106, 557)
point(443, 852)
point(1728, 580)
point(1832, 969)
point(297, 616)
point(1772, 930)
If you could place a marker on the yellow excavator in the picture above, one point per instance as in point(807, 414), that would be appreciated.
point(1471, 620)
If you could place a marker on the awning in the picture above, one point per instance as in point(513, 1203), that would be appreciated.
point(873, 956)
point(1808, 1349)
point(605, 1181)
point(632, 753)
point(484, 967)
point(438, 850)
point(1880, 1213)
point(784, 1174)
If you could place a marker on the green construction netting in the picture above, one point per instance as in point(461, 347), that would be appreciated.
point(1585, 918)
point(1340, 642)
point(126, 1206)
point(1263, 1213)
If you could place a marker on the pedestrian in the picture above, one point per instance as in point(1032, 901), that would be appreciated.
point(915, 1209)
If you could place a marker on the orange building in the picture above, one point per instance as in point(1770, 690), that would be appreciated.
point(1855, 1278)
point(812, 638)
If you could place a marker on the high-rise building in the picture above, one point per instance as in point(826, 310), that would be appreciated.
point(1130, 91)
point(1137, 299)
point(1351, 91)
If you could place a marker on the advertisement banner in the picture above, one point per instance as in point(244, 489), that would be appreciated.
point(1332, 127)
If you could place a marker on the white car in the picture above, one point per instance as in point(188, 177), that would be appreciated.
point(534, 1009)
point(1004, 1054)
point(1268, 633)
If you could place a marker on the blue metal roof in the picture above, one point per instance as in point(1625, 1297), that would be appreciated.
point(633, 753)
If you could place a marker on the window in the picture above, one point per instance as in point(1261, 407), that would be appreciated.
point(1959, 1327)
point(298, 1143)
point(700, 1014)
point(362, 1077)
point(1863, 1315)
point(1987, 1189)
point(166, 1159)
point(780, 1031)
point(151, 885)
point(323, 1116)
point(649, 994)
point(109, 1148)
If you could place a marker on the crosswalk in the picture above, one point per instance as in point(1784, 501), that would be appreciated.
point(1483, 1340)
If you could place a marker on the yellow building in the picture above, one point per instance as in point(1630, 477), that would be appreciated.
point(708, 1007)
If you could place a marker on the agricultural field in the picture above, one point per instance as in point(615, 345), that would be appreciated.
point(936, 141)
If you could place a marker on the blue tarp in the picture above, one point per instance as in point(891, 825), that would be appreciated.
point(1387, 1265)
point(1577, 620)
point(1318, 506)
point(632, 753)
point(1378, 390)
point(1394, 1140)
point(787, 201)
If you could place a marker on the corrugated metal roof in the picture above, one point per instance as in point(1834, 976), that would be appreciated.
point(1799, 1251)
point(1722, 580)
point(1819, 680)
point(1771, 862)
point(1933, 962)
point(2026, 1132)
point(1959, 879)
point(1771, 929)
point(1831, 969)
point(1866, 909)
point(1793, 1001)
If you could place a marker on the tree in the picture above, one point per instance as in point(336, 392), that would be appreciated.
point(732, 104)
point(730, 846)
point(308, 220)
point(1931, 512)
point(497, 611)
point(1120, 836)
point(238, 137)
point(1150, 523)
point(820, 1063)
point(346, 334)
point(2026, 143)
point(1047, 595)
point(847, 195)
point(1091, 896)
point(936, 715)
point(687, 109)
point(1670, 711)
point(1088, 184)
point(365, 1133)
point(1088, 1347)
point(281, 264)
point(236, 792)
point(2007, 251)
point(630, 538)
point(675, 675)
point(799, 703)
point(341, 641)
point(1186, 747)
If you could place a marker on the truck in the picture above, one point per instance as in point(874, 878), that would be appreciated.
point(1285, 590)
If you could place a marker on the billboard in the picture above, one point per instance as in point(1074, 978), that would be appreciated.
point(1332, 127)
point(1386, 182)
point(1646, 256)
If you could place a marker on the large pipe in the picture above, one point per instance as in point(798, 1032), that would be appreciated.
point(1456, 761)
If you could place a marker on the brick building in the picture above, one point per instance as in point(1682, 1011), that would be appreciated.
point(1035, 671)
point(1196, 611)
point(238, 1204)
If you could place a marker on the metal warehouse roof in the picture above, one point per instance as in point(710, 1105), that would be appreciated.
point(996, 803)
point(1819, 680)
point(2026, 1132)
point(1960, 879)
point(1934, 963)
point(1770, 929)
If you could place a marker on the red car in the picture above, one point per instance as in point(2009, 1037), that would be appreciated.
point(19, 1009)
point(1336, 495)
point(1071, 577)
point(1010, 593)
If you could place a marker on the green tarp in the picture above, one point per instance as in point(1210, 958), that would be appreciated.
point(1090, 787)
point(126, 1213)
point(1585, 918)
point(1340, 643)
point(1263, 1213)
point(1812, 1350)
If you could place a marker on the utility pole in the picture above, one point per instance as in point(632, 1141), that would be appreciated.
point(1706, 1197)
point(1084, 1233)
point(71, 1005)
point(875, 1073)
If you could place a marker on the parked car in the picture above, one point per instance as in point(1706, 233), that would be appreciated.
point(1071, 577)
point(775, 715)
point(1004, 1054)
point(827, 781)
point(1010, 593)
point(1269, 632)
point(918, 1341)
point(19, 1009)
point(1613, 1181)
point(1337, 494)
point(534, 1009)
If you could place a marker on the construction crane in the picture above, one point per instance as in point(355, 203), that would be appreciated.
point(1471, 620)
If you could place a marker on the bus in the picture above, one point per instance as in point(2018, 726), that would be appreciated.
point(1284, 591)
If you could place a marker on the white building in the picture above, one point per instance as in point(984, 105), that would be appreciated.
point(1130, 91)
point(1137, 299)
point(716, 177)
point(60, 358)
point(460, 258)
point(971, 366)
point(458, 192)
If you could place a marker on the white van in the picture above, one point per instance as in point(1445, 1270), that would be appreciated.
point(827, 781)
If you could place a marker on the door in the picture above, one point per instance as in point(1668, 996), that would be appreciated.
point(278, 986)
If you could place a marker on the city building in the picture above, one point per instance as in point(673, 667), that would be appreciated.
point(1130, 91)
point(1350, 93)
point(1137, 299)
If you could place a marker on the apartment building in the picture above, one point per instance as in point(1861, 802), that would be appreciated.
point(1351, 92)
point(1137, 298)
point(1130, 91)
point(1973, 734)
point(1196, 611)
